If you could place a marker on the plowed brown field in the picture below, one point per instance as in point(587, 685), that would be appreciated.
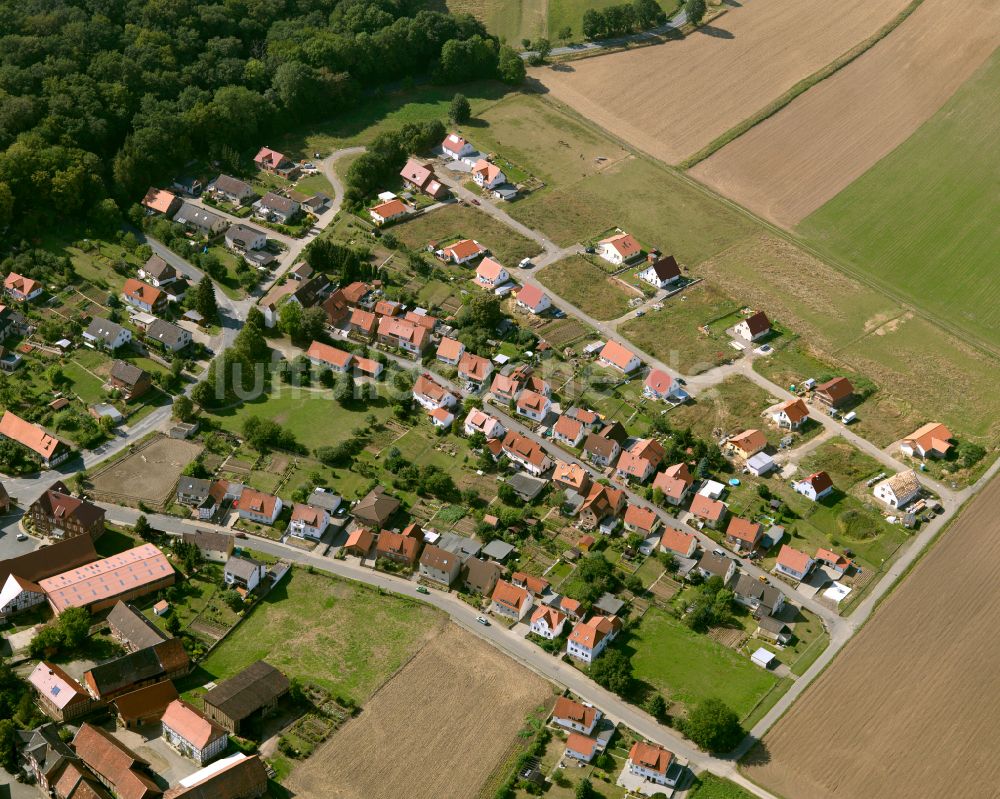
point(789, 165)
point(437, 729)
point(673, 99)
point(909, 708)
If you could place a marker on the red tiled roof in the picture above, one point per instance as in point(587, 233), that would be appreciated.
point(115, 763)
point(706, 508)
point(654, 758)
point(489, 269)
point(749, 441)
point(577, 712)
point(465, 248)
point(510, 596)
point(614, 353)
point(143, 292)
point(582, 744)
point(524, 448)
point(676, 540)
point(190, 725)
point(331, 355)
point(450, 349)
point(28, 435)
point(795, 410)
point(363, 320)
point(836, 389)
point(258, 502)
point(641, 518)
point(624, 243)
point(659, 381)
point(568, 428)
point(158, 200)
point(531, 296)
point(792, 558)
point(474, 366)
point(390, 208)
point(758, 323)
point(744, 530)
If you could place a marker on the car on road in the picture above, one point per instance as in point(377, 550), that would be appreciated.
point(483, 621)
point(720, 552)
point(525, 263)
point(639, 313)
point(475, 201)
point(422, 590)
point(22, 537)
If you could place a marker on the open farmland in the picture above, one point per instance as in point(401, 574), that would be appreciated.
point(789, 165)
point(448, 718)
point(920, 677)
point(682, 95)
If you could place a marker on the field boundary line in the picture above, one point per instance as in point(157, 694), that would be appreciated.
point(799, 88)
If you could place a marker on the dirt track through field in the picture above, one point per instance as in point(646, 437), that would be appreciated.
point(437, 729)
point(671, 100)
point(909, 708)
point(789, 165)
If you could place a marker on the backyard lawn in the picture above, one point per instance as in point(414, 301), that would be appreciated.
point(346, 637)
point(586, 286)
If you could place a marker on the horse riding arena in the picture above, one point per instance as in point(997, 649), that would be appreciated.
point(147, 474)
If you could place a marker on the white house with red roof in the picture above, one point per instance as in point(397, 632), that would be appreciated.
point(388, 211)
point(710, 512)
point(487, 175)
point(510, 601)
point(258, 506)
point(50, 450)
point(490, 274)
point(21, 289)
point(442, 418)
point(661, 386)
point(450, 351)
point(815, 486)
point(744, 535)
point(421, 177)
point(674, 482)
point(619, 249)
point(791, 415)
point(679, 542)
point(641, 520)
point(431, 395)
point(832, 560)
point(754, 327)
point(193, 735)
point(568, 431)
point(533, 405)
point(547, 622)
point(640, 460)
point(590, 638)
point(479, 421)
point(402, 334)
point(323, 355)
point(474, 370)
point(931, 440)
point(615, 356)
point(271, 160)
point(533, 299)
point(575, 716)
point(308, 521)
point(456, 148)
point(526, 453)
point(160, 201)
point(661, 272)
point(582, 747)
point(793, 563)
point(461, 252)
point(654, 764)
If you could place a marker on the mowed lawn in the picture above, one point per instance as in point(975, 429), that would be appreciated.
point(923, 221)
point(688, 667)
point(589, 288)
point(339, 634)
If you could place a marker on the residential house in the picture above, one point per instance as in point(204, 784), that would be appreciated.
point(430, 394)
point(815, 486)
point(679, 543)
point(461, 252)
point(772, 629)
point(193, 735)
point(144, 297)
point(20, 288)
point(398, 548)
point(661, 386)
point(754, 327)
point(932, 440)
point(402, 334)
point(214, 547)
point(440, 565)
point(123, 772)
point(710, 565)
point(481, 422)
point(128, 575)
point(510, 601)
point(188, 185)
point(375, 508)
point(487, 175)
point(526, 453)
point(336, 307)
point(533, 300)
point(653, 764)
point(58, 514)
point(490, 274)
point(167, 335)
point(230, 189)
point(793, 563)
point(193, 490)
point(619, 249)
point(200, 220)
point(747, 444)
point(640, 460)
point(456, 148)
point(129, 380)
point(581, 747)
point(744, 535)
point(323, 355)
point(575, 716)
point(272, 161)
point(254, 691)
point(256, 506)
point(547, 622)
point(604, 447)
point(388, 211)
point(614, 355)
point(533, 405)
point(308, 521)
point(50, 450)
point(674, 482)
point(833, 561)
point(763, 599)
point(144, 706)
point(130, 628)
point(160, 201)
point(899, 490)
point(157, 272)
point(661, 272)
point(441, 418)
point(243, 238)
point(591, 420)
point(481, 576)
point(834, 393)
point(275, 208)
point(601, 509)
point(47, 758)
point(475, 370)
point(534, 585)
point(364, 323)
point(359, 542)
point(641, 520)
point(18, 594)
point(568, 431)
point(234, 777)
point(590, 638)
point(450, 350)
point(791, 414)
point(104, 334)
point(59, 696)
point(422, 178)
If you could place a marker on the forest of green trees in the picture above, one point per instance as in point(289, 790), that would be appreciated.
point(99, 99)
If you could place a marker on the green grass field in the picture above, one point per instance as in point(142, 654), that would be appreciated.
point(569, 13)
point(688, 667)
point(708, 786)
point(343, 636)
point(578, 281)
point(923, 221)
point(732, 406)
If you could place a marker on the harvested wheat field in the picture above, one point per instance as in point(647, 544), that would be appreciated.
point(909, 708)
point(673, 99)
point(448, 717)
point(789, 165)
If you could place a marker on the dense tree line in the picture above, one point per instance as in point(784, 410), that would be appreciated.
point(387, 154)
point(101, 98)
point(618, 20)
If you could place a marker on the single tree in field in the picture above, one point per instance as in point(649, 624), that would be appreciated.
point(695, 10)
point(460, 111)
point(713, 726)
